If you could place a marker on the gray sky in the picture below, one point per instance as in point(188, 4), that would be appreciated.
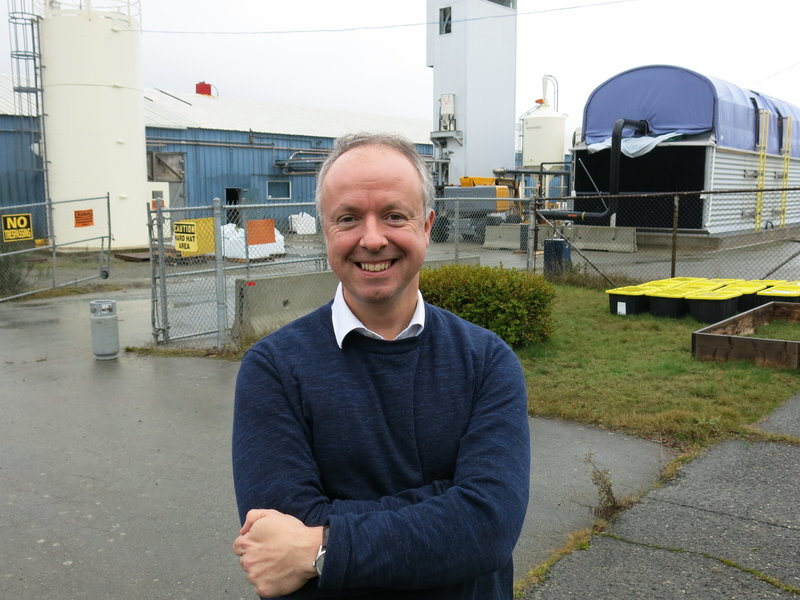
point(369, 55)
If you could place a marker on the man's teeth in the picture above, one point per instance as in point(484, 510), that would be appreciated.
point(375, 267)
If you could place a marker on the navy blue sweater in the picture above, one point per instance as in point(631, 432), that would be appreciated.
point(415, 452)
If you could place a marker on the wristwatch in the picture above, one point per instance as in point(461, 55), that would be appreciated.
point(319, 561)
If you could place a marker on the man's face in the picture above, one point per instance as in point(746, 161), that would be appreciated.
point(375, 227)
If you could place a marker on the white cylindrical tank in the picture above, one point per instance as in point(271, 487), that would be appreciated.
point(542, 137)
point(94, 121)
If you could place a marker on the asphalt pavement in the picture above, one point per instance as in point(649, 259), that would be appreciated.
point(116, 482)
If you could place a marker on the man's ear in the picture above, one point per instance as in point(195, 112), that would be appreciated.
point(429, 223)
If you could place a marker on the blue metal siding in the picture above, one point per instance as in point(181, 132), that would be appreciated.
point(21, 178)
point(216, 159)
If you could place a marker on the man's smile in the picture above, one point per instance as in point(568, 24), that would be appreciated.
point(375, 267)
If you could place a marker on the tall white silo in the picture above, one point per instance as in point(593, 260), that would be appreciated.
point(94, 121)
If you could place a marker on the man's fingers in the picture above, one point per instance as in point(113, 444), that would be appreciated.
point(253, 516)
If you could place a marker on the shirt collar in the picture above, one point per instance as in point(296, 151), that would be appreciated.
point(344, 321)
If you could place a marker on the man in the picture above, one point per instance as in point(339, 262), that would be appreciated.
point(380, 444)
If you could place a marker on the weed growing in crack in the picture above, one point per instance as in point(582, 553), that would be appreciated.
point(608, 505)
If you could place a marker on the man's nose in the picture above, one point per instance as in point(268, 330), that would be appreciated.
point(372, 237)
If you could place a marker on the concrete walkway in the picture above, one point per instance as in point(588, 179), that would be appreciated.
point(116, 475)
point(727, 527)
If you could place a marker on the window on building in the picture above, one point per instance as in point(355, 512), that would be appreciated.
point(279, 190)
point(445, 20)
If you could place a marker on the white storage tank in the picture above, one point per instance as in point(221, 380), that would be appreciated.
point(94, 121)
point(543, 137)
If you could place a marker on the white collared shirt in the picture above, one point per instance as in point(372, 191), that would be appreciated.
point(344, 321)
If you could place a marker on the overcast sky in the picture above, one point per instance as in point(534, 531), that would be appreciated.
point(369, 55)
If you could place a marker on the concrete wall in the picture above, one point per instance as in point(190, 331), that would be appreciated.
point(264, 304)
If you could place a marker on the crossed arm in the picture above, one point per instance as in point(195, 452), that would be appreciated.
point(440, 533)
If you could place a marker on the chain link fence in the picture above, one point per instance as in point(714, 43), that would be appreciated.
point(50, 245)
point(199, 253)
point(268, 265)
point(647, 238)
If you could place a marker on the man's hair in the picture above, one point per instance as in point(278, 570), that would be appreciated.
point(393, 142)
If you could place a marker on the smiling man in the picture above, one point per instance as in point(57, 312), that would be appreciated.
point(380, 444)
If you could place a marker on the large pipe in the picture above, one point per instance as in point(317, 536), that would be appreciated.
point(613, 177)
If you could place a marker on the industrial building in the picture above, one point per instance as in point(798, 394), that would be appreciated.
point(246, 151)
point(682, 131)
point(76, 86)
point(200, 146)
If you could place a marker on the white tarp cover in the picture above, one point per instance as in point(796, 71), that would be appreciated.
point(302, 224)
point(234, 244)
point(634, 147)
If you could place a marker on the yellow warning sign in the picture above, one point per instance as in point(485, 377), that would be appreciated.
point(185, 233)
point(17, 228)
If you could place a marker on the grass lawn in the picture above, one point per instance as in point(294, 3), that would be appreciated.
point(636, 374)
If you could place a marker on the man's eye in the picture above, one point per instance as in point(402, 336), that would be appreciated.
point(346, 219)
point(396, 217)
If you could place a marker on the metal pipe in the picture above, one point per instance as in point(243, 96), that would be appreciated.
point(613, 177)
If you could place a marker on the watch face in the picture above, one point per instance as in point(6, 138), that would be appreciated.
point(319, 562)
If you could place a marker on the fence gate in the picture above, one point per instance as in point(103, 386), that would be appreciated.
point(196, 257)
point(53, 244)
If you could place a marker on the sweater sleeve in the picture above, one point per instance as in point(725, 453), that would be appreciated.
point(469, 530)
point(273, 462)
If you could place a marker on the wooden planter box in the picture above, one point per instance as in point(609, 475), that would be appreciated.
point(725, 340)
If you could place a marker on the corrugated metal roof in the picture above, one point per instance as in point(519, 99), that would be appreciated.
point(176, 110)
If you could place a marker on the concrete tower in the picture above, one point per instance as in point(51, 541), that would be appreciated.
point(472, 46)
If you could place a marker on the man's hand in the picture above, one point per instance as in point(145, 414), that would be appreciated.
point(277, 551)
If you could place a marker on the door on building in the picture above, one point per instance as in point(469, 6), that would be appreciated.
point(233, 197)
point(168, 167)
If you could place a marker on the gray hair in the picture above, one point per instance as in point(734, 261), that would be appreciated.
point(391, 141)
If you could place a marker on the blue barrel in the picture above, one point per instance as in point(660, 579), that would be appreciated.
point(557, 257)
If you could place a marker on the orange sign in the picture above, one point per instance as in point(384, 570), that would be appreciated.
point(84, 218)
point(261, 231)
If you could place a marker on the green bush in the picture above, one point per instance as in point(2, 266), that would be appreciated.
point(516, 305)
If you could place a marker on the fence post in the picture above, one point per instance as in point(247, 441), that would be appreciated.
point(675, 207)
point(162, 279)
point(219, 269)
point(457, 219)
point(105, 260)
point(51, 234)
point(529, 247)
point(533, 234)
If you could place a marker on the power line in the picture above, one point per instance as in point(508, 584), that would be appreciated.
point(781, 72)
point(380, 27)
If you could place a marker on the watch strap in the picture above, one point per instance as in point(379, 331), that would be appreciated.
point(319, 561)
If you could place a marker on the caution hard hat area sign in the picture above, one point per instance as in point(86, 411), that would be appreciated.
point(17, 228)
point(185, 234)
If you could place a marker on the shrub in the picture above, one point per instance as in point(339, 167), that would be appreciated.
point(516, 305)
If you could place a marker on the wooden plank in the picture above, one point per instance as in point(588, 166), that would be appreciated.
point(133, 256)
point(726, 340)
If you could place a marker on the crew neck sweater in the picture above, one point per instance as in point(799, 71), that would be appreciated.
point(415, 452)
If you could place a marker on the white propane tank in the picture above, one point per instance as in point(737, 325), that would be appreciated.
point(542, 137)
